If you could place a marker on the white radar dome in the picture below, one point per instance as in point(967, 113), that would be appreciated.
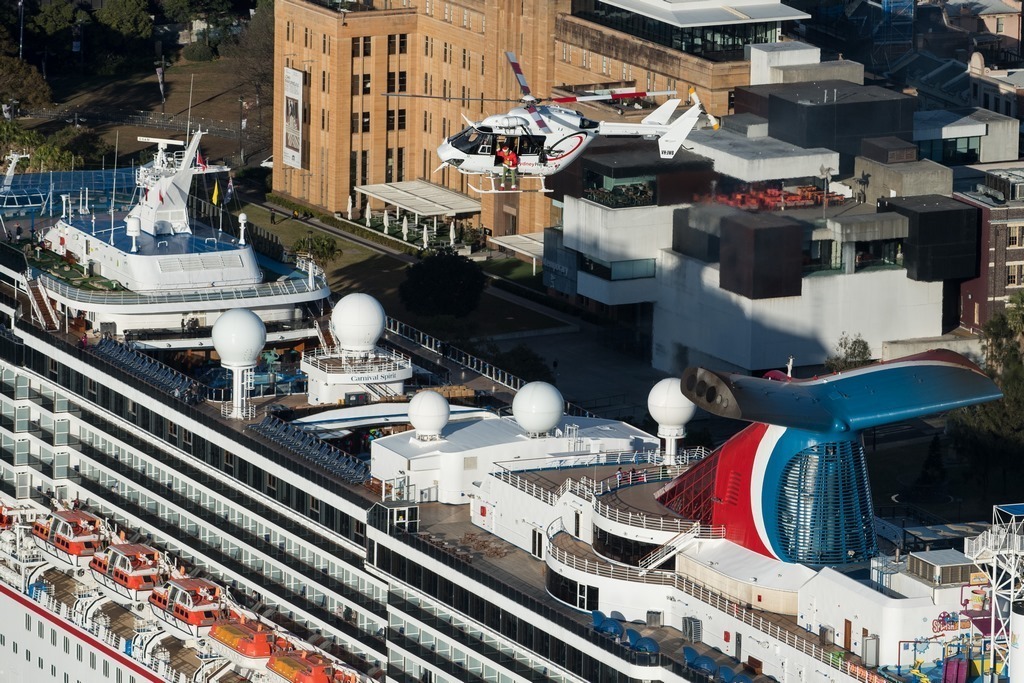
point(668, 406)
point(428, 412)
point(358, 322)
point(239, 336)
point(133, 226)
point(538, 407)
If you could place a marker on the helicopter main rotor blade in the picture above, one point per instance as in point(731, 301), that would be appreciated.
point(612, 96)
point(520, 77)
point(450, 99)
point(538, 119)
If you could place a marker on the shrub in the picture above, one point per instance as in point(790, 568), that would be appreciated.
point(198, 52)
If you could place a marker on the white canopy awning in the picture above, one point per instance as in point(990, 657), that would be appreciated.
point(422, 198)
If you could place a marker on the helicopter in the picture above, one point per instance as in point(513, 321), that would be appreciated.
point(549, 137)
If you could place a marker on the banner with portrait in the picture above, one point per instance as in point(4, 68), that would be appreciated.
point(292, 118)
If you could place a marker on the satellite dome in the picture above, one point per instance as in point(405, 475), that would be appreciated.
point(133, 226)
point(358, 322)
point(428, 412)
point(239, 336)
point(668, 406)
point(538, 407)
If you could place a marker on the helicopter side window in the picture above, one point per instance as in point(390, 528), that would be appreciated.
point(531, 144)
point(586, 123)
point(470, 141)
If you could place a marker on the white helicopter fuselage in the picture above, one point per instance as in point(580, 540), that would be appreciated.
point(474, 150)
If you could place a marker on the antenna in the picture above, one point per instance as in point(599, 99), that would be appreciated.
point(188, 117)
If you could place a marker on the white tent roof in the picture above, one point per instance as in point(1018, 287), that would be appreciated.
point(422, 198)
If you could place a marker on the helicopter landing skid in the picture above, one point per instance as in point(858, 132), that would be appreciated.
point(496, 188)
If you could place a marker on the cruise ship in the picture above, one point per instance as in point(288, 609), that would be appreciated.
point(370, 527)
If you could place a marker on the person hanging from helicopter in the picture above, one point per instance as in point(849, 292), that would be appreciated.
point(509, 164)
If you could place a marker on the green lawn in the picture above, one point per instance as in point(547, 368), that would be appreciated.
point(360, 269)
point(517, 271)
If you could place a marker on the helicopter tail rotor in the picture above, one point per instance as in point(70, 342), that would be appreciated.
point(696, 101)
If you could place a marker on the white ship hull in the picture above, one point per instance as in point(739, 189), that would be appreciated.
point(33, 647)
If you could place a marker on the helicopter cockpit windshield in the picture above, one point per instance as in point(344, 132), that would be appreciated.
point(473, 141)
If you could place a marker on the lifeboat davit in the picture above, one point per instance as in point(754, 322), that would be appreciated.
point(71, 537)
point(191, 606)
point(129, 571)
point(304, 666)
point(246, 642)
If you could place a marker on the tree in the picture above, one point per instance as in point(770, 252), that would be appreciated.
point(254, 54)
point(1015, 313)
point(21, 81)
point(850, 352)
point(443, 283)
point(128, 18)
point(991, 435)
point(321, 248)
point(184, 11)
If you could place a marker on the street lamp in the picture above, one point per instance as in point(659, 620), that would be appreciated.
point(21, 28)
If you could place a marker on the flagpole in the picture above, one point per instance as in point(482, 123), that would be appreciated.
point(114, 190)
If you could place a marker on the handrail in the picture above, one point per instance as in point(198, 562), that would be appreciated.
point(384, 360)
point(670, 548)
point(266, 289)
point(716, 600)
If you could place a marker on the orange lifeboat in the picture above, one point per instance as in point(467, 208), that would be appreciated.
point(303, 666)
point(69, 536)
point(245, 641)
point(191, 606)
point(130, 571)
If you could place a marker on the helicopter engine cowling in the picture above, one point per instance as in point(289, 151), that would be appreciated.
point(510, 124)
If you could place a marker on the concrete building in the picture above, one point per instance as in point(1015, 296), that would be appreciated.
point(966, 136)
point(889, 167)
point(833, 114)
point(335, 61)
point(829, 288)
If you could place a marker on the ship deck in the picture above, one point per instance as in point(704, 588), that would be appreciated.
point(449, 528)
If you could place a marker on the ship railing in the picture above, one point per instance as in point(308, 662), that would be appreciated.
point(384, 360)
point(287, 287)
point(994, 541)
point(467, 360)
point(526, 486)
point(795, 637)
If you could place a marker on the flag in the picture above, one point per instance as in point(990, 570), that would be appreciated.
point(216, 192)
point(231, 190)
point(199, 160)
point(160, 82)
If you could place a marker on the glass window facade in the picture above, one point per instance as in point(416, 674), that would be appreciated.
point(952, 151)
point(716, 43)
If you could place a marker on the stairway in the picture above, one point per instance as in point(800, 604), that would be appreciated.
point(41, 306)
point(323, 332)
point(670, 549)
